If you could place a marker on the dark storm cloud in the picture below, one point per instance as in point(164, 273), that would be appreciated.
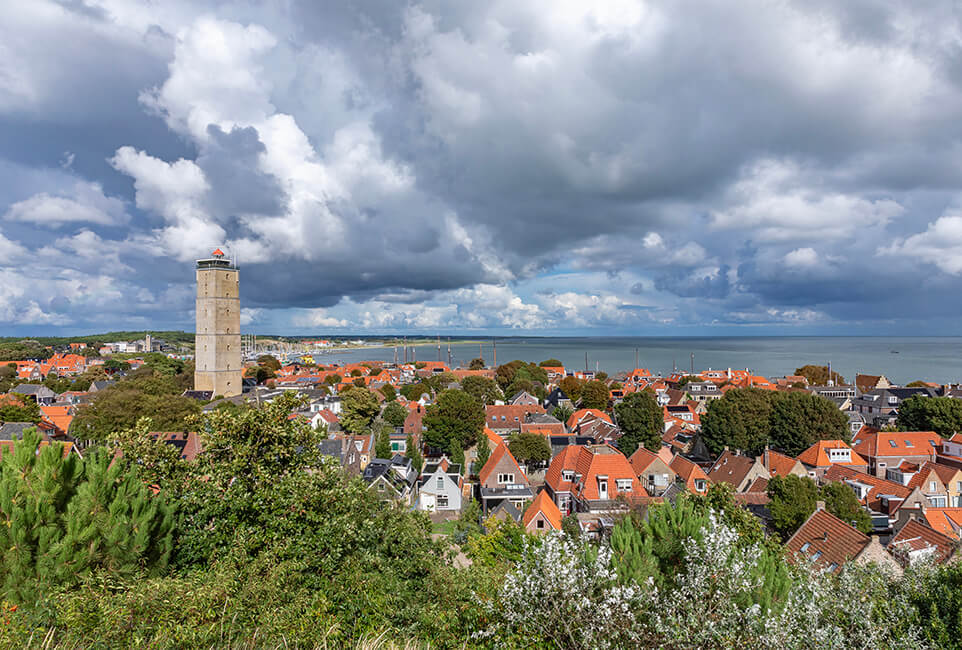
point(390, 153)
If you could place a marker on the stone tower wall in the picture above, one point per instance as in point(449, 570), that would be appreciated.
point(217, 348)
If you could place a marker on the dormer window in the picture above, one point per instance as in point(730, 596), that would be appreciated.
point(567, 475)
point(624, 484)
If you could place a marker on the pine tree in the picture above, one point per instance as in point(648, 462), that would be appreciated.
point(34, 491)
point(114, 522)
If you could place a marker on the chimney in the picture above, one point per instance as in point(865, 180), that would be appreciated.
point(819, 505)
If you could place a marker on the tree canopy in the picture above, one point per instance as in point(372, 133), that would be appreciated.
point(394, 414)
point(455, 417)
point(483, 389)
point(641, 421)
point(529, 448)
point(940, 414)
point(747, 419)
point(594, 395)
point(818, 375)
point(358, 409)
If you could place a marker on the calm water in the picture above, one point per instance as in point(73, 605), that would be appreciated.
point(928, 359)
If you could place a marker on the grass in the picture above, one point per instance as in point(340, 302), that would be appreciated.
point(443, 527)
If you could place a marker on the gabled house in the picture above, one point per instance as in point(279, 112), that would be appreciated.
point(37, 392)
point(392, 480)
point(736, 470)
point(880, 407)
point(917, 542)
point(879, 495)
point(542, 516)
point(440, 487)
point(886, 449)
point(690, 475)
point(524, 398)
point(818, 458)
point(556, 398)
point(830, 543)
point(501, 479)
point(583, 415)
point(592, 478)
point(505, 419)
point(778, 464)
point(652, 470)
point(928, 479)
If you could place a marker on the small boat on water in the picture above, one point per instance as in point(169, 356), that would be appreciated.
point(894, 351)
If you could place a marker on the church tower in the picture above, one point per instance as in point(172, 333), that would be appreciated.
point(217, 342)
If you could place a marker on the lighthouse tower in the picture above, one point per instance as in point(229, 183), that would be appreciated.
point(217, 343)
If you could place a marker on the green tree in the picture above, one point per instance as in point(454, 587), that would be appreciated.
point(818, 375)
point(67, 518)
point(940, 414)
point(918, 383)
point(483, 389)
point(483, 452)
point(571, 387)
point(793, 501)
point(26, 411)
point(457, 454)
point(411, 451)
point(798, 420)
point(476, 364)
point(333, 380)
point(687, 379)
point(601, 376)
point(358, 410)
point(119, 407)
point(642, 422)
point(114, 523)
point(382, 442)
point(414, 391)
point(455, 416)
point(562, 413)
point(739, 420)
point(356, 372)
point(594, 395)
point(395, 414)
point(529, 448)
point(840, 500)
point(551, 363)
point(390, 394)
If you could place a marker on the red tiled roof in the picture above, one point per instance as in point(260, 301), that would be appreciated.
point(827, 540)
point(500, 452)
point(878, 487)
point(590, 463)
point(731, 468)
point(896, 443)
point(778, 464)
point(509, 415)
point(543, 504)
point(581, 414)
point(947, 521)
point(916, 536)
point(689, 472)
point(817, 454)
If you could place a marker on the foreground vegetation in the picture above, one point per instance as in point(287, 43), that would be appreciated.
point(262, 542)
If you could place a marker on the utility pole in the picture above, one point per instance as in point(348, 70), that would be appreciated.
point(449, 352)
point(395, 356)
point(439, 348)
point(405, 350)
point(586, 362)
point(692, 363)
point(495, 343)
point(636, 358)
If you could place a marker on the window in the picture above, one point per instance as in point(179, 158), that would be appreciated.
point(602, 489)
point(832, 566)
point(804, 547)
point(440, 483)
point(624, 484)
point(893, 444)
point(816, 555)
point(908, 443)
point(568, 475)
point(932, 487)
point(699, 485)
point(442, 501)
point(540, 524)
point(505, 478)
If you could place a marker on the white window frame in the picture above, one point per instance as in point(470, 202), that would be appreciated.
point(505, 479)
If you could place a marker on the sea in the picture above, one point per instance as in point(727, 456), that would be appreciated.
point(901, 359)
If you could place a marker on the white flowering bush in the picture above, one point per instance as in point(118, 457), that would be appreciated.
point(567, 593)
point(728, 594)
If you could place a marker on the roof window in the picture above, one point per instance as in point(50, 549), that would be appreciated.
point(893, 443)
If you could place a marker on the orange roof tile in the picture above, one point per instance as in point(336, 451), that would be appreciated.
point(817, 454)
point(543, 504)
point(501, 451)
point(828, 540)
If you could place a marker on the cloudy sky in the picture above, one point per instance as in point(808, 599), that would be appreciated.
point(546, 166)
